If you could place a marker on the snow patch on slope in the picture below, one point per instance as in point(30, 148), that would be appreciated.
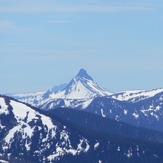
point(3, 107)
point(62, 151)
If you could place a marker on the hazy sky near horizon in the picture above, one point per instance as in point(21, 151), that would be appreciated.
point(45, 43)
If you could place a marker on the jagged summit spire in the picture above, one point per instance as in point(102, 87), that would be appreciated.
point(83, 74)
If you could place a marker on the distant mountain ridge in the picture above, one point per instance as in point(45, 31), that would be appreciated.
point(82, 86)
point(136, 95)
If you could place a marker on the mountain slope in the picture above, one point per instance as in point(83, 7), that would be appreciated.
point(29, 135)
point(146, 113)
point(108, 127)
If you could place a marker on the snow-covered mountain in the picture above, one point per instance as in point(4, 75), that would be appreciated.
point(31, 135)
point(25, 133)
point(82, 86)
point(79, 92)
point(142, 108)
point(34, 135)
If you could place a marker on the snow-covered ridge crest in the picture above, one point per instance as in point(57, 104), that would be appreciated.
point(136, 95)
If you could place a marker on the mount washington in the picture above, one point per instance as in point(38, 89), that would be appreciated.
point(82, 122)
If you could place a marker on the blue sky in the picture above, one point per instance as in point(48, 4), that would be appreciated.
point(45, 43)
